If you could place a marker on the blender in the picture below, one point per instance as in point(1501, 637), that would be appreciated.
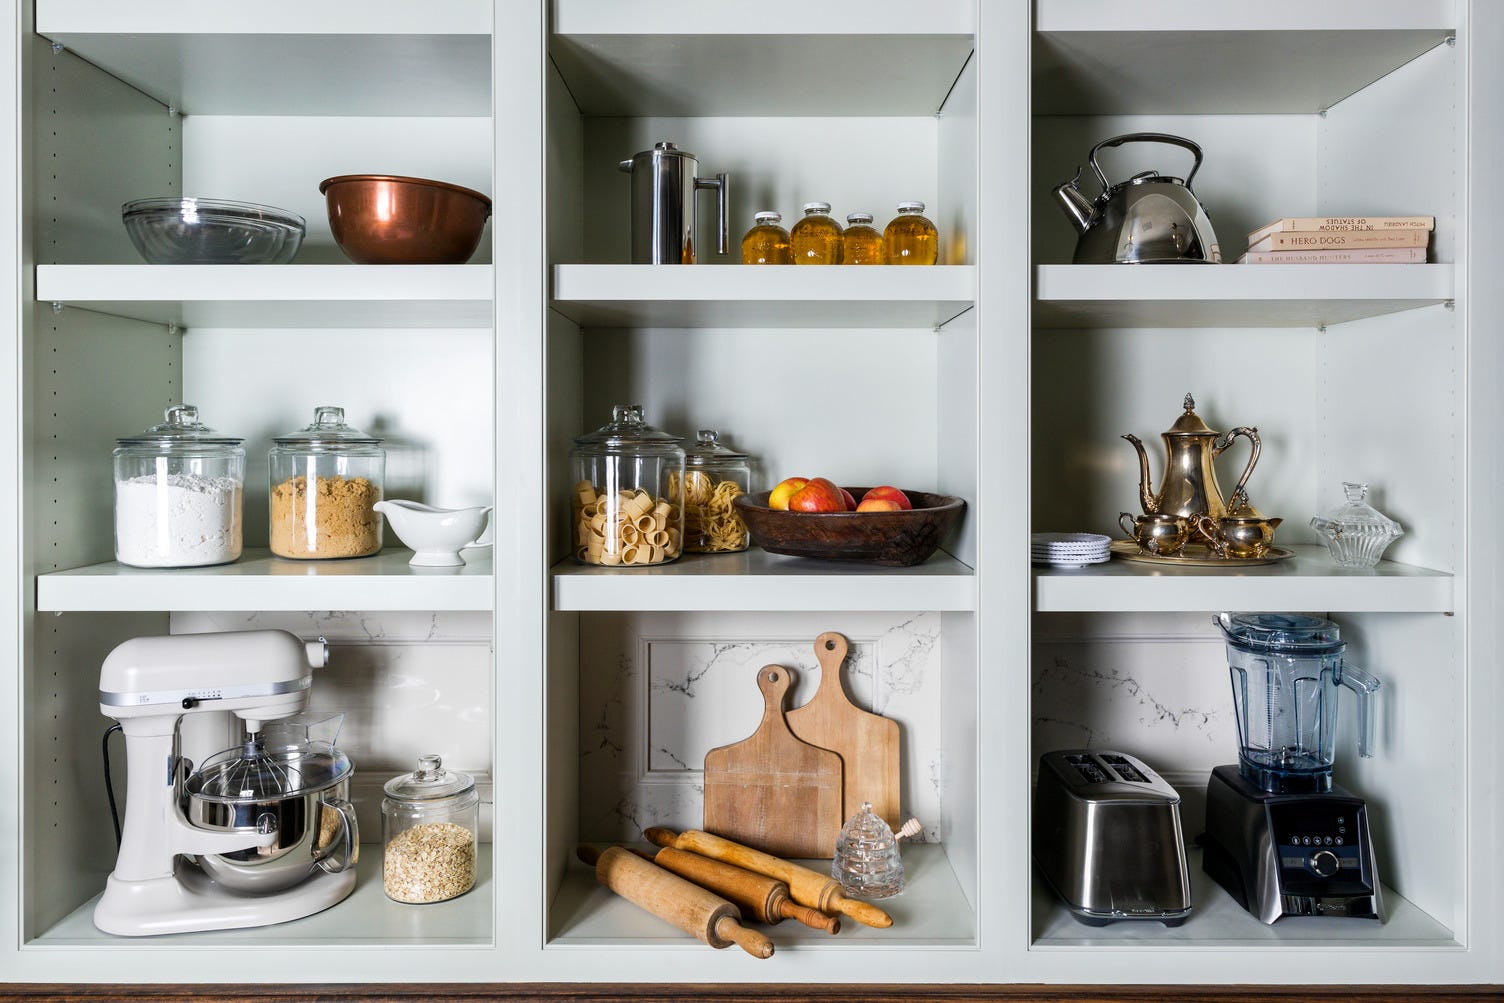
point(1281, 838)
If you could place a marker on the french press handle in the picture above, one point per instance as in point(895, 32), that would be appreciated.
point(1146, 137)
point(719, 184)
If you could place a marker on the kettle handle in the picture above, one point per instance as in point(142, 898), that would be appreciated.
point(1221, 444)
point(1146, 137)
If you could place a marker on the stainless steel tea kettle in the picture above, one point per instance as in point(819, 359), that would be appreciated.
point(1150, 218)
point(663, 205)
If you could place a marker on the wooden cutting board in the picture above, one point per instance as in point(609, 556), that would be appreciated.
point(867, 743)
point(772, 791)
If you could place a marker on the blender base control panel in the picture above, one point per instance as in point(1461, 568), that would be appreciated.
point(1320, 843)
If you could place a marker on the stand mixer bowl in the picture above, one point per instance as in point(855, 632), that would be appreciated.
point(1287, 671)
point(297, 791)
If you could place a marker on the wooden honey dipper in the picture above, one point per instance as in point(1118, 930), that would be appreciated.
point(702, 914)
point(818, 891)
point(765, 899)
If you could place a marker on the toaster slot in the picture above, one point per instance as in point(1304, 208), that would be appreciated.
point(1089, 770)
point(1124, 769)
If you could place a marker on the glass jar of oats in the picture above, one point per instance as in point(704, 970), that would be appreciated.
point(429, 822)
point(622, 476)
point(713, 477)
point(325, 480)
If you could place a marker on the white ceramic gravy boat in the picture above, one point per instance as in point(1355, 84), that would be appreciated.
point(436, 535)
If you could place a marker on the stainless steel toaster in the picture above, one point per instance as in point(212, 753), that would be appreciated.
point(1107, 838)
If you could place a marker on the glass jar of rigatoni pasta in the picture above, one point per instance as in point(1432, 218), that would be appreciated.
point(713, 477)
point(623, 475)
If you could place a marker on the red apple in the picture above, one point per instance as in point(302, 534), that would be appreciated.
point(819, 495)
point(779, 498)
point(890, 494)
point(850, 501)
point(870, 504)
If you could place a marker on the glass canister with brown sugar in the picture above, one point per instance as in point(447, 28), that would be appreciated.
point(714, 476)
point(911, 239)
point(325, 480)
point(816, 238)
point(767, 243)
point(861, 244)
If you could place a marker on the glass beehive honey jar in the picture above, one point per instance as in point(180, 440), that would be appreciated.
point(861, 244)
point(767, 243)
point(816, 238)
point(624, 474)
point(326, 479)
point(911, 239)
point(714, 477)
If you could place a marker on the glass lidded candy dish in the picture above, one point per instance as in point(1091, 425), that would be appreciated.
point(1356, 534)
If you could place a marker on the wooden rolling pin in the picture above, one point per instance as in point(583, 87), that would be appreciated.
point(766, 899)
point(699, 913)
point(818, 891)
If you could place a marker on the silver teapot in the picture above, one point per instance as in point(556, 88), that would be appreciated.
point(1150, 218)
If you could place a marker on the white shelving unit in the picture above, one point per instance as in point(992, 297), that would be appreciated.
point(1002, 376)
point(278, 296)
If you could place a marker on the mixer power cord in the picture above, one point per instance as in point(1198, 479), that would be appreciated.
point(109, 787)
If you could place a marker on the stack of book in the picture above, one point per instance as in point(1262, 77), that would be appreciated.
point(1309, 240)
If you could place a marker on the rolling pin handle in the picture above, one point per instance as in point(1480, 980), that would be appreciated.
point(660, 836)
point(753, 942)
point(812, 918)
point(588, 854)
point(864, 912)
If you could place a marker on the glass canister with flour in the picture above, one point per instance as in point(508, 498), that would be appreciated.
point(325, 481)
point(179, 494)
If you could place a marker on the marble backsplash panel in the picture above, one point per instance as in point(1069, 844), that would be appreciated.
point(659, 690)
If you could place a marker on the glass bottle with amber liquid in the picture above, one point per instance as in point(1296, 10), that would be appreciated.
point(816, 237)
point(767, 243)
point(911, 239)
point(861, 244)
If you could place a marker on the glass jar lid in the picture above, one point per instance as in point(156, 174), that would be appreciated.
point(181, 428)
point(767, 216)
point(859, 218)
point(707, 451)
point(254, 771)
point(820, 207)
point(328, 429)
point(1281, 633)
point(1356, 516)
point(429, 782)
point(911, 207)
point(626, 432)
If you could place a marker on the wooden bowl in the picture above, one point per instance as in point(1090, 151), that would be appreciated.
point(382, 219)
point(895, 539)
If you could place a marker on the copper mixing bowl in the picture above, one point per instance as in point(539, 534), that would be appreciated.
point(381, 219)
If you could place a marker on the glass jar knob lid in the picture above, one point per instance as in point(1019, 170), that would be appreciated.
point(181, 424)
point(626, 427)
point(429, 782)
point(328, 426)
point(707, 449)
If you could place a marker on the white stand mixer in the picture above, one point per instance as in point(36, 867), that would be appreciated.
point(148, 684)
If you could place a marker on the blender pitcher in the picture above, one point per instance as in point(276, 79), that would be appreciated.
point(1286, 670)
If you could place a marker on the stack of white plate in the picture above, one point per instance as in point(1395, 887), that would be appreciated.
point(1069, 550)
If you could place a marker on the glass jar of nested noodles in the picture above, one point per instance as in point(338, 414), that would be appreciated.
point(325, 482)
point(178, 494)
point(714, 476)
point(621, 513)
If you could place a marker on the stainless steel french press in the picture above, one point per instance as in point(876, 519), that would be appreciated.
point(664, 183)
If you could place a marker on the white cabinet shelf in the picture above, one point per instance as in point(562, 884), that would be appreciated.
point(1309, 580)
point(367, 917)
point(757, 580)
point(1094, 296)
point(283, 57)
point(777, 58)
point(259, 581)
point(1217, 921)
point(750, 296)
point(1278, 56)
point(931, 912)
point(278, 296)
